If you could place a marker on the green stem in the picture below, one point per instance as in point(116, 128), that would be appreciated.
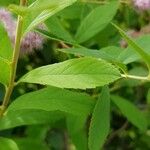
point(135, 77)
point(15, 57)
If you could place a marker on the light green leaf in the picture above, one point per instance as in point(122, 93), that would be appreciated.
point(100, 123)
point(110, 53)
point(96, 21)
point(41, 10)
point(7, 144)
point(55, 99)
point(80, 73)
point(5, 56)
point(133, 115)
point(128, 55)
point(4, 72)
point(139, 50)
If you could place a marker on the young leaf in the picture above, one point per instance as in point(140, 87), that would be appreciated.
point(80, 73)
point(131, 112)
point(100, 122)
point(7, 144)
point(144, 55)
point(96, 21)
point(55, 99)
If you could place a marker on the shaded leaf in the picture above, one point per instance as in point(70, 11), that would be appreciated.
point(100, 123)
point(55, 99)
point(130, 111)
point(15, 118)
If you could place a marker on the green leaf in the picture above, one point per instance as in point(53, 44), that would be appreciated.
point(45, 106)
point(128, 55)
point(110, 53)
point(77, 130)
point(131, 112)
point(30, 144)
point(139, 50)
point(148, 97)
point(7, 2)
point(15, 118)
point(7, 144)
point(41, 10)
point(80, 73)
point(55, 28)
point(96, 21)
point(5, 56)
point(51, 36)
point(100, 123)
point(55, 99)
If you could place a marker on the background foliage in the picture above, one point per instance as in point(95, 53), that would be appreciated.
point(88, 87)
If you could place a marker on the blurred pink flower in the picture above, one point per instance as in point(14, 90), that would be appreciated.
point(31, 41)
point(142, 4)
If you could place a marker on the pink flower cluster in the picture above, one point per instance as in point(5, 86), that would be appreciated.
point(31, 41)
point(142, 4)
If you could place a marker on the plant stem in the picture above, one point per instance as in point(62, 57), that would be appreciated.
point(15, 57)
point(135, 77)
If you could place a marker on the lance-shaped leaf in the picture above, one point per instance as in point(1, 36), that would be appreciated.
point(144, 55)
point(96, 21)
point(128, 55)
point(55, 99)
point(80, 73)
point(100, 123)
point(15, 118)
point(133, 114)
point(39, 11)
point(46, 106)
point(110, 53)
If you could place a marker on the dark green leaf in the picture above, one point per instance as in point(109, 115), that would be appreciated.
point(130, 111)
point(100, 123)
